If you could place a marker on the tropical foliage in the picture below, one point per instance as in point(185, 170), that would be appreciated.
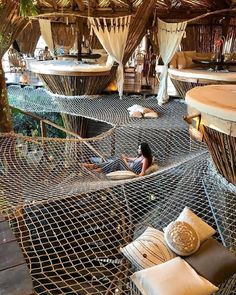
point(27, 8)
point(27, 126)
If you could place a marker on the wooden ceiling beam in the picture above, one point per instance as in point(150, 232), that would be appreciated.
point(106, 12)
point(165, 14)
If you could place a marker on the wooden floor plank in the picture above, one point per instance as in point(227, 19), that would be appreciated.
point(6, 234)
point(14, 274)
point(16, 281)
point(10, 255)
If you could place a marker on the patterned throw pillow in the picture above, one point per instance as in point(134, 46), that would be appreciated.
point(172, 277)
point(181, 238)
point(203, 230)
point(148, 249)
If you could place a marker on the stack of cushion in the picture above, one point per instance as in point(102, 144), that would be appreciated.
point(204, 262)
point(137, 111)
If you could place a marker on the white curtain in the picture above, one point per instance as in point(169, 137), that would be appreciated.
point(46, 32)
point(169, 38)
point(112, 34)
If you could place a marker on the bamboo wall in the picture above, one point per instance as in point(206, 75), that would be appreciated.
point(63, 34)
point(201, 37)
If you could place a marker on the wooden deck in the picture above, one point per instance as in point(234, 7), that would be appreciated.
point(14, 274)
point(135, 84)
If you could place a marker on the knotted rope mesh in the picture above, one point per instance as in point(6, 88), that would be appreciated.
point(71, 222)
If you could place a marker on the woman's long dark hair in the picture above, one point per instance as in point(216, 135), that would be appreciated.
point(146, 152)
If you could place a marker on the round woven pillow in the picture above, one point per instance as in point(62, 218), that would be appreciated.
point(181, 238)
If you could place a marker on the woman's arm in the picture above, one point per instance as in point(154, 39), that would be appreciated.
point(125, 158)
point(144, 167)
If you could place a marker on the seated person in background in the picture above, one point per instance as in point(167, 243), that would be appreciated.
point(138, 164)
point(46, 54)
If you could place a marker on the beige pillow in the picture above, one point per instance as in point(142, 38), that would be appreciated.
point(189, 62)
point(181, 61)
point(181, 238)
point(147, 110)
point(151, 115)
point(148, 250)
point(190, 54)
point(153, 168)
point(203, 230)
point(174, 277)
point(173, 63)
point(120, 175)
point(204, 55)
point(136, 115)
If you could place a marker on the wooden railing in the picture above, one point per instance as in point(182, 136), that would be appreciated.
point(43, 122)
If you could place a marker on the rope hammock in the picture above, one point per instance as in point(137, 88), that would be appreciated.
point(112, 34)
point(71, 222)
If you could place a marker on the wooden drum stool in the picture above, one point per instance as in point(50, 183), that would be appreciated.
point(216, 107)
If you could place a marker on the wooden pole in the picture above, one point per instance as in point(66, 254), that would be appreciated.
point(5, 115)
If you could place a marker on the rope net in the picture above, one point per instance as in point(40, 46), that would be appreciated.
point(71, 222)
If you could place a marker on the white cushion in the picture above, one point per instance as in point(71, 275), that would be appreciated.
point(182, 238)
point(203, 230)
point(174, 277)
point(120, 175)
point(148, 250)
point(135, 108)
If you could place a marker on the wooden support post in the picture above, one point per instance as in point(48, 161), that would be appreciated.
point(43, 129)
point(79, 30)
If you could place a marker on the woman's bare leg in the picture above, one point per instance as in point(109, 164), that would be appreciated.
point(89, 166)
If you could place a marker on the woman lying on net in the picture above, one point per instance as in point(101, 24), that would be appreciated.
point(138, 164)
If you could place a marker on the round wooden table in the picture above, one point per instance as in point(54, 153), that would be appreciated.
point(216, 104)
point(186, 79)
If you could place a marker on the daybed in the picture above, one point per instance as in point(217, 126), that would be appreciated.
point(72, 77)
point(185, 74)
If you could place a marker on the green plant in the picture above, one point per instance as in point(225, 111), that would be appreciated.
point(27, 8)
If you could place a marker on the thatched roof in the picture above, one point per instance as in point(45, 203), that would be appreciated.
point(177, 8)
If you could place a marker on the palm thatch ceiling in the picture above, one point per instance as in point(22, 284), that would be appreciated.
point(177, 8)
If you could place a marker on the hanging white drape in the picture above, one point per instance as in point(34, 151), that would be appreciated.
point(112, 34)
point(169, 38)
point(46, 32)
